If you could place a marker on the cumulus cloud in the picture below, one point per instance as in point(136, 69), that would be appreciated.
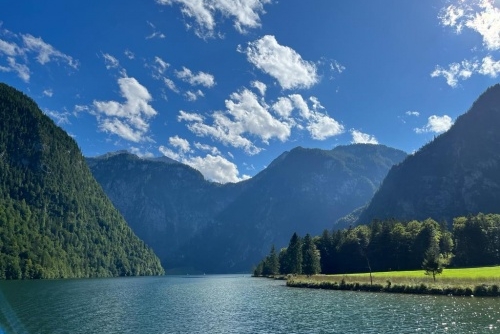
point(248, 121)
point(244, 13)
point(216, 168)
point(245, 116)
point(48, 92)
point(128, 120)
point(482, 16)
point(213, 166)
point(281, 62)
point(260, 86)
point(180, 143)
point(413, 113)
point(436, 124)
point(319, 124)
point(17, 51)
point(359, 137)
point(202, 78)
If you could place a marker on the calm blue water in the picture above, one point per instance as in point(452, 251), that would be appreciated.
point(229, 304)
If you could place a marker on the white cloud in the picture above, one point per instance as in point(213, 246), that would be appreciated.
point(244, 116)
point(17, 54)
point(486, 21)
point(193, 96)
point(180, 143)
point(48, 92)
point(110, 61)
point(359, 137)
point(465, 69)
point(283, 107)
point(436, 124)
point(10, 49)
point(337, 67)
point(161, 65)
point(413, 113)
point(171, 85)
point(128, 120)
point(260, 86)
point(282, 63)
point(130, 55)
point(169, 153)
point(155, 33)
point(22, 70)
point(189, 117)
point(490, 67)
point(202, 78)
point(320, 125)
point(204, 147)
point(46, 52)
point(58, 117)
point(213, 166)
point(482, 16)
point(456, 72)
point(244, 13)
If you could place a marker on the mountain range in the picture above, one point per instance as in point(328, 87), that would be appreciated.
point(197, 225)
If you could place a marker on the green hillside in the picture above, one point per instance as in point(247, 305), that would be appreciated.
point(55, 220)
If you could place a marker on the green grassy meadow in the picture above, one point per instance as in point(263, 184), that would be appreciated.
point(456, 281)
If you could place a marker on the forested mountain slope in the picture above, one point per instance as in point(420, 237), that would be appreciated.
point(456, 174)
point(55, 220)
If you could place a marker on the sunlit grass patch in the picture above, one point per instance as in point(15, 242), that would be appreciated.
point(464, 281)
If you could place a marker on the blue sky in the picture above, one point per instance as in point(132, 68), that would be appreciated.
point(226, 86)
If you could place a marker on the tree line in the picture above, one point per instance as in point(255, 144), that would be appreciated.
point(390, 245)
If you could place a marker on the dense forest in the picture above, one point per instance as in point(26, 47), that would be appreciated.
point(55, 220)
point(390, 245)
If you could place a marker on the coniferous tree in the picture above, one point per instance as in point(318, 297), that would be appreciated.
point(294, 255)
point(310, 257)
point(272, 264)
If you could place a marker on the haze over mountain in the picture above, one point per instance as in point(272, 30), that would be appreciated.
point(456, 174)
point(211, 227)
point(55, 220)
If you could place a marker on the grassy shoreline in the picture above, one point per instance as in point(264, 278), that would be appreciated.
point(484, 281)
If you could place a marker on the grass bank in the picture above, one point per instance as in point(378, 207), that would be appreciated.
point(484, 281)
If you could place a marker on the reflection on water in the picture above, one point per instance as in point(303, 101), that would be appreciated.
point(229, 304)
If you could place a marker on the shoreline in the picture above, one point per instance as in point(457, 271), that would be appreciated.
point(459, 290)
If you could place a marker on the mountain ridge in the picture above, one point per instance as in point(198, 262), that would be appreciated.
point(55, 220)
point(456, 174)
point(219, 214)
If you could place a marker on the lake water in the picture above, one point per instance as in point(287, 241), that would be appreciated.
point(229, 304)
